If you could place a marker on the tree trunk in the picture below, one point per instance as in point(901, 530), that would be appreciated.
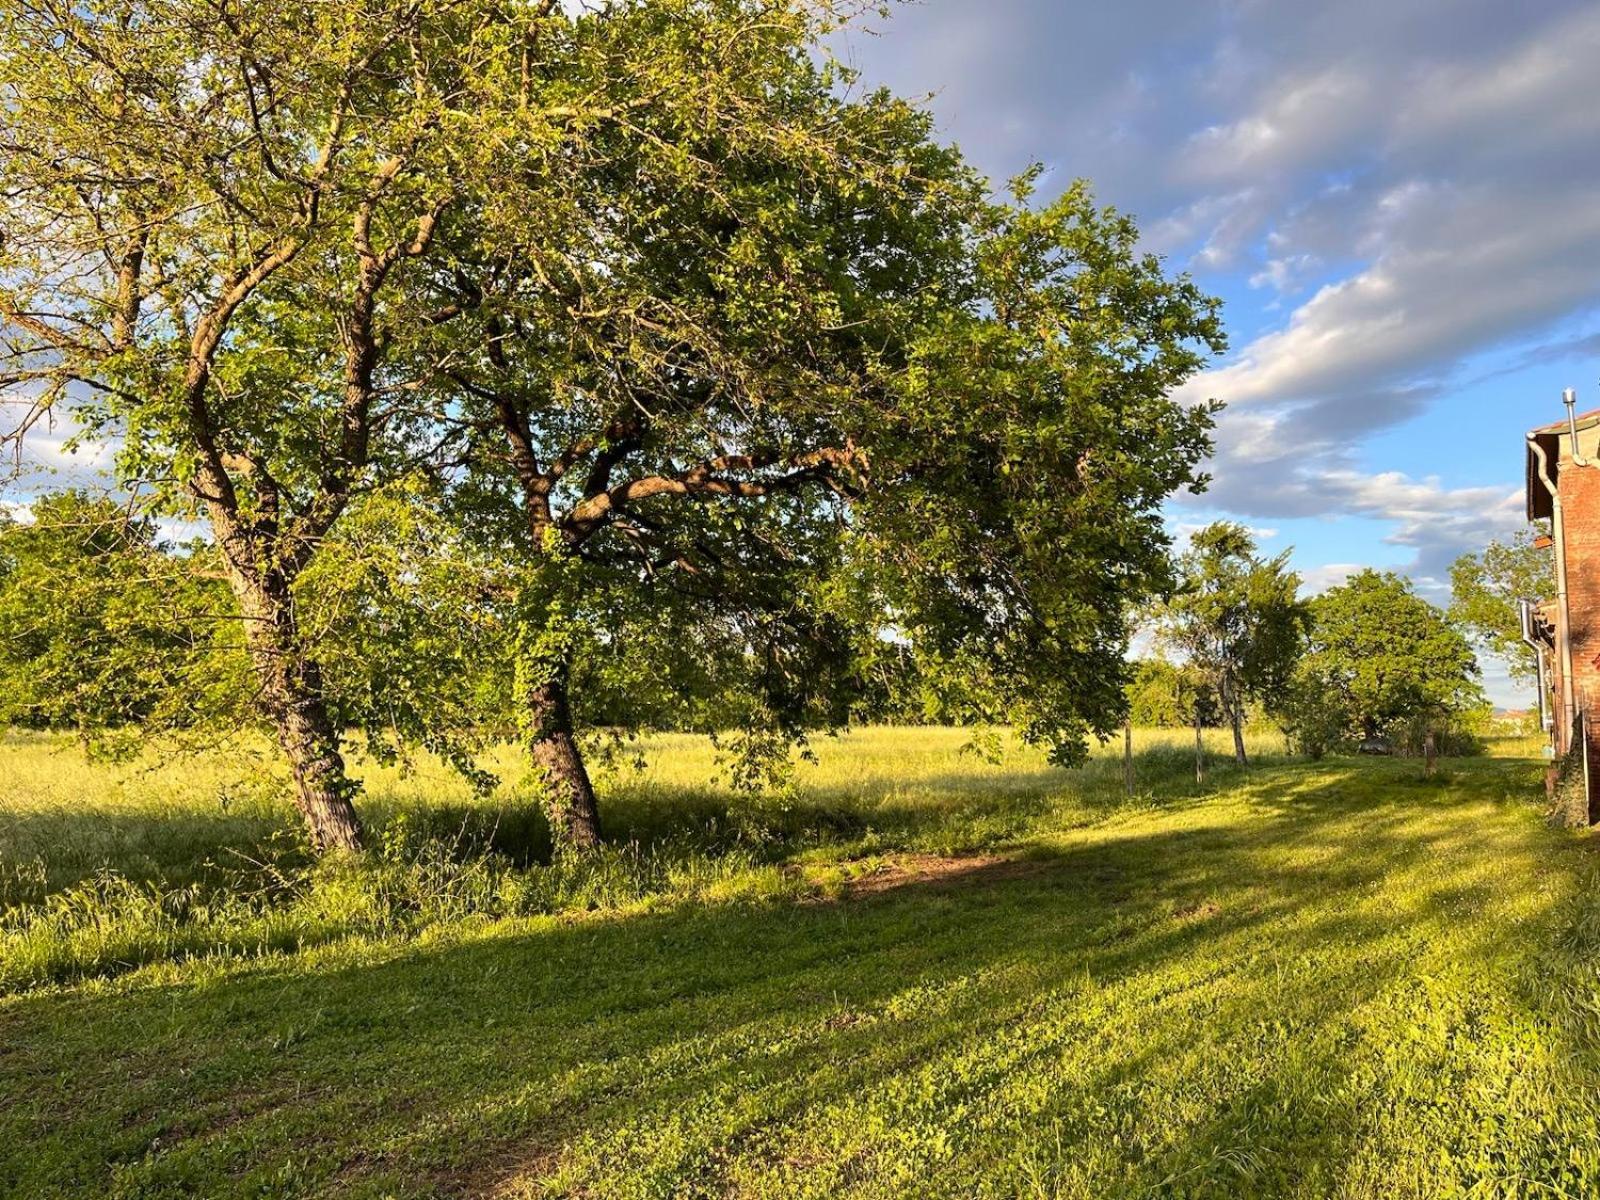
point(1236, 717)
point(323, 791)
point(292, 694)
point(1199, 749)
point(569, 796)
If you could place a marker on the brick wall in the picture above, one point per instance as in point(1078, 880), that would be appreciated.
point(1580, 503)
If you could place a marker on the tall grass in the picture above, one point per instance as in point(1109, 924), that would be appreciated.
point(105, 867)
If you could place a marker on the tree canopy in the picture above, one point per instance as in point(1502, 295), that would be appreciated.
point(1381, 656)
point(1485, 589)
point(746, 382)
point(1165, 695)
point(106, 629)
point(210, 212)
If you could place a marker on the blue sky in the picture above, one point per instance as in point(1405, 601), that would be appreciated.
point(1398, 200)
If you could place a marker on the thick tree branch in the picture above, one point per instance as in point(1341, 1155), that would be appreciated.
point(212, 484)
point(713, 478)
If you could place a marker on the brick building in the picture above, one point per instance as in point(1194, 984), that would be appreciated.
point(1563, 487)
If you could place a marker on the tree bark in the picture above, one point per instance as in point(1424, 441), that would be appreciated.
point(323, 790)
point(1235, 711)
point(569, 796)
point(1199, 748)
point(292, 694)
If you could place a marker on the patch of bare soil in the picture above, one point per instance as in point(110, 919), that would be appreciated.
point(938, 870)
point(500, 1174)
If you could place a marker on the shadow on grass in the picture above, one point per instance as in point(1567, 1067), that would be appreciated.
point(1161, 1005)
point(438, 863)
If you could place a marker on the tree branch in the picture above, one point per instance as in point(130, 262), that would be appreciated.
point(711, 478)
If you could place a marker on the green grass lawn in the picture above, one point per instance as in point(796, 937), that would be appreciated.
point(913, 974)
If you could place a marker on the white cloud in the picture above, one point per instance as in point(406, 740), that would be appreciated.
point(1460, 253)
point(1319, 579)
point(1284, 274)
point(1299, 123)
point(1475, 270)
point(1199, 221)
point(171, 529)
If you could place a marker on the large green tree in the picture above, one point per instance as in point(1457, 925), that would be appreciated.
point(1486, 587)
point(747, 376)
point(1236, 619)
point(799, 382)
point(216, 219)
point(1380, 657)
point(207, 209)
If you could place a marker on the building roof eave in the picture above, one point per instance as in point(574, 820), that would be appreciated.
point(1538, 496)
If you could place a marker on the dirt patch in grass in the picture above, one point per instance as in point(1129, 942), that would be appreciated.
point(502, 1169)
point(506, 1174)
point(937, 870)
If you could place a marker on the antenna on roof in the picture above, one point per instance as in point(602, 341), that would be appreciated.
point(1570, 399)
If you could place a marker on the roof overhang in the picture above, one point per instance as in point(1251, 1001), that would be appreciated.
point(1548, 438)
point(1539, 506)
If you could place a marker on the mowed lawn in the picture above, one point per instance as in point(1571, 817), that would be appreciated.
point(913, 974)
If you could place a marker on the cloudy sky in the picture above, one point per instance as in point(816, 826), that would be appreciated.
point(1399, 201)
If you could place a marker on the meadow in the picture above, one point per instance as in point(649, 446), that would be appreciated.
point(912, 972)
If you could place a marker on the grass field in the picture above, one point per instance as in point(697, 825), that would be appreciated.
point(912, 974)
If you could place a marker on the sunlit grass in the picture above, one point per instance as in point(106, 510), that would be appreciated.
point(172, 813)
point(910, 972)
